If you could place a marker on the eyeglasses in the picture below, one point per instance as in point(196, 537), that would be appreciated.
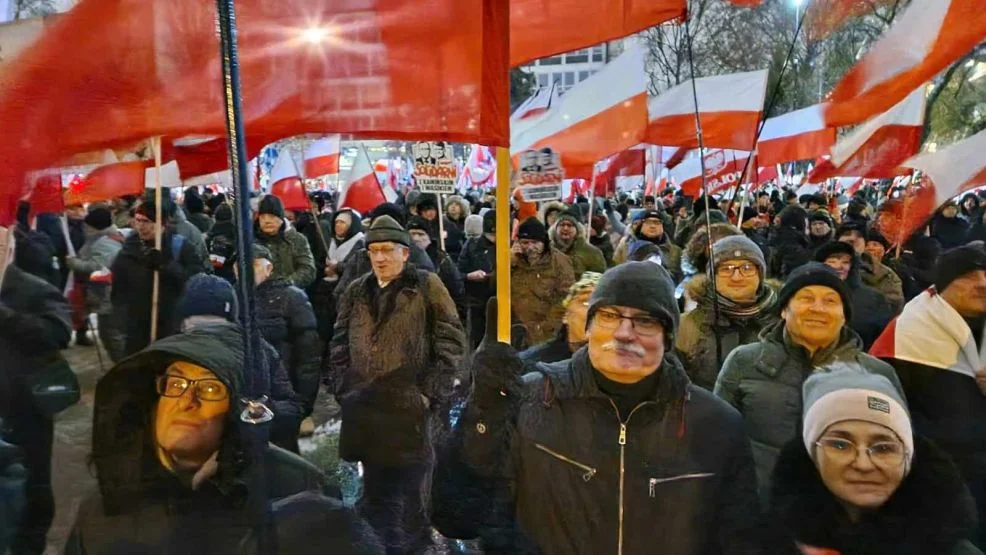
point(209, 389)
point(386, 251)
point(643, 325)
point(885, 454)
point(745, 269)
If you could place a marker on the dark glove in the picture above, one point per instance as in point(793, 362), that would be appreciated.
point(496, 367)
point(154, 259)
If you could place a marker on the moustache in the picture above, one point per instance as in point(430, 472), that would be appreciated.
point(626, 347)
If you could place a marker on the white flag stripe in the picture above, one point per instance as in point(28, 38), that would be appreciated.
point(284, 167)
point(794, 123)
point(918, 28)
point(909, 112)
point(953, 166)
point(736, 92)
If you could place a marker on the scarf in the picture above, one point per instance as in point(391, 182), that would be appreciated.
point(737, 312)
point(339, 251)
point(931, 333)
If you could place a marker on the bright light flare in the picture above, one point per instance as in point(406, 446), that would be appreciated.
point(315, 35)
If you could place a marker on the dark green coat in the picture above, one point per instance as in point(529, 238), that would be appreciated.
point(293, 258)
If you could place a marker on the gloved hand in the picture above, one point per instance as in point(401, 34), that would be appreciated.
point(496, 367)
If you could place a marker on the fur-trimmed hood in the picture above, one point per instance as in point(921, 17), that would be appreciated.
point(463, 204)
point(548, 207)
point(699, 243)
point(931, 512)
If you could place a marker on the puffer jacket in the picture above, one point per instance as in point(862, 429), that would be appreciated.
point(584, 479)
point(293, 258)
point(584, 257)
point(98, 252)
point(930, 512)
point(695, 341)
point(763, 381)
point(287, 321)
point(393, 358)
point(536, 292)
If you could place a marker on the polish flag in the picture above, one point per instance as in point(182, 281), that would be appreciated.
point(928, 37)
point(538, 103)
point(676, 157)
point(604, 114)
point(362, 191)
point(722, 171)
point(108, 182)
point(730, 107)
point(286, 183)
point(822, 17)
point(797, 135)
point(954, 169)
point(322, 157)
point(876, 148)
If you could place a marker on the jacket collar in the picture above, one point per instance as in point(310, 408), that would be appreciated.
point(773, 360)
point(577, 380)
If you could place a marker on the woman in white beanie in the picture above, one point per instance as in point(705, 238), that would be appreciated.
point(858, 482)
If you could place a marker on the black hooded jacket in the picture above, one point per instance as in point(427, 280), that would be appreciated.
point(930, 513)
point(789, 246)
point(871, 311)
point(950, 232)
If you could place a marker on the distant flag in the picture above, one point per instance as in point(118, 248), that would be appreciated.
point(362, 191)
point(108, 182)
point(722, 171)
point(797, 135)
point(954, 169)
point(537, 104)
point(322, 157)
point(286, 184)
point(926, 38)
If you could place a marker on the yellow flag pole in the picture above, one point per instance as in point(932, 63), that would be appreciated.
point(503, 231)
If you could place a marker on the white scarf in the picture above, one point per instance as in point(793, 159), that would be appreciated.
point(339, 252)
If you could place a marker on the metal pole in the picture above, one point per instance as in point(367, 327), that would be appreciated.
point(503, 232)
point(236, 144)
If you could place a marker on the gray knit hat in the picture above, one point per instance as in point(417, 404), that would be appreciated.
point(474, 225)
point(642, 285)
point(386, 229)
point(841, 392)
point(739, 247)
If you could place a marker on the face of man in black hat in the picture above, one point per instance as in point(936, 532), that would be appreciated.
point(967, 294)
point(626, 344)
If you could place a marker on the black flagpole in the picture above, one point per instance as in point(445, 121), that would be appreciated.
point(254, 412)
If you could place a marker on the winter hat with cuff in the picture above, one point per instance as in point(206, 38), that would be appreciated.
point(208, 295)
point(642, 285)
point(738, 247)
point(386, 229)
point(814, 273)
point(841, 392)
point(99, 218)
point(955, 263)
point(534, 230)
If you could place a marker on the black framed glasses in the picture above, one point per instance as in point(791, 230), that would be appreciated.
point(209, 389)
point(746, 269)
point(642, 324)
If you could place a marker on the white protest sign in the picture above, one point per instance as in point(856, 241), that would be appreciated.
point(434, 169)
point(541, 175)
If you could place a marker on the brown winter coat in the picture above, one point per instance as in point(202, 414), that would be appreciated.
point(536, 293)
point(391, 364)
point(880, 277)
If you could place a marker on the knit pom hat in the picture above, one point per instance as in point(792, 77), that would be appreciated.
point(814, 273)
point(738, 247)
point(208, 295)
point(386, 229)
point(845, 391)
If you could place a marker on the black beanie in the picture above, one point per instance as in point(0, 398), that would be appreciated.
point(533, 229)
point(194, 204)
point(750, 213)
point(426, 201)
point(208, 295)
point(955, 263)
point(642, 285)
point(270, 204)
point(489, 221)
point(421, 224)
point(388, 209)
point(99, 218)
point(874, 235)
point(834, 247)
point(794, 217)
point(814, 273)
point(224, 213)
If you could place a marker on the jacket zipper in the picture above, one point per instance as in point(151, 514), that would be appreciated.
point(589, 472)
point(652, 489)
point(622, 440)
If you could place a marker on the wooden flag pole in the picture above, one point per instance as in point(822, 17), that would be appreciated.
point(156, 290)
point(441, 224)
point(503, 229)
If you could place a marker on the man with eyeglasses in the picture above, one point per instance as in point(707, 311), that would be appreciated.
point(568, 236)
point(763, 380)
point(612, 451)
point(858, 480)
point(133, 279)
point(745, 306)
point(540, 278)
point(394, 354)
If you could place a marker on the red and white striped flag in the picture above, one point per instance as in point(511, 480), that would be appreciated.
point(955, 168)
point(362, 191)
point(928, 37)
point(322, 157)
point(537, 104)
point(797, 135)
point(722, 170)
point(876, 148)
point(730, 107)
point(286, 184)
point(600, 116)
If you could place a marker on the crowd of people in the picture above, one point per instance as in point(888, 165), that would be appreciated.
point(772, 376)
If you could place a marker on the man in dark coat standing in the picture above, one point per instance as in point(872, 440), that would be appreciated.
point(871, 310)
point(607, 451)
point(789, 246)
point(395, 350)
point(35, 323)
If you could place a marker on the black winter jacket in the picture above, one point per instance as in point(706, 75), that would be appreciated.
point(676, 474)
point(789, 250)
point(478, 254)
point(553, 350)
point(950, 232)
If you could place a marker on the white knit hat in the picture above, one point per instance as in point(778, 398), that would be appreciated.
point(842, 392)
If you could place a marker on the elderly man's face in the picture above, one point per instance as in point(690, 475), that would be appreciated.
point(387, 259)
point(814, 316)
point(270, 224)
point(566, 230)
point(625, 344)
point(967, 294)
point(820, 228)
point(189, 418)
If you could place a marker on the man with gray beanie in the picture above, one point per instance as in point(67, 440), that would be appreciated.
point(612, 451)
point(858, 480)
point(745, 306)
point(937, 347)
point(396, 347)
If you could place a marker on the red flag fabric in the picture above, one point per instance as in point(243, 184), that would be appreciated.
point(202, 156)
point(677, 158)
point(362, 191)
point(722, 170)
point(540, 28)
point(322, 157)
point(797, 135)
point(119, 71)
point(822, 17)
point(286, 184)
point(925, 39)
point(877, 148)
point(109, 182)
point(46, 195)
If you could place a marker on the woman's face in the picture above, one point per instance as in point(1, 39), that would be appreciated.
point(343, 221)
point(861, 463)
point(454, 210)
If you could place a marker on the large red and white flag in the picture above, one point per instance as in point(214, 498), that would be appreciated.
point(537, 104)
point(928, 37)
point(108, 182)
point(286, 183)
point(362, 191)
point(954, 169)
point(600, 116)
point(540, 28)
point(322, 157)
point(730, 107)
point(723, 169)
point(797, 135)
point(877, 148)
